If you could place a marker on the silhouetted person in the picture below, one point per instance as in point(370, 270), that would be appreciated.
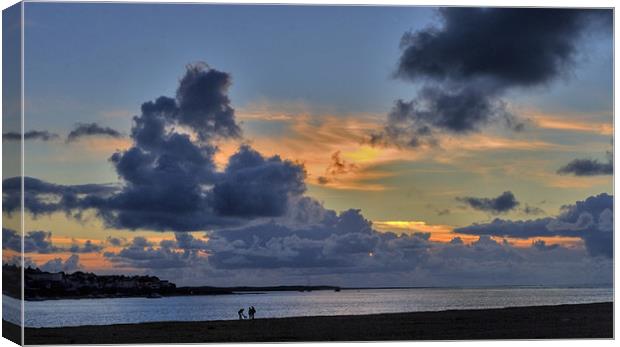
point(241, 315)
point(251, 312)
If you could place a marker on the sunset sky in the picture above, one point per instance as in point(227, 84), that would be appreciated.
point(374, 146)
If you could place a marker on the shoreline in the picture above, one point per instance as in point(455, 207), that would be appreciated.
point(247, 290)
point(181, 291)
point(530, 322)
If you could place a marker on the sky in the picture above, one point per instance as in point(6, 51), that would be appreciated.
point(360, 146)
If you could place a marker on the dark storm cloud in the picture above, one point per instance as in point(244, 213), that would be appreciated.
point(30, 135)
point(163, 177)
point(590, 220)
point(91, 129)
point(588, 167)
point(203, 103)
point(509, 46)
point(256, 186)
point(501, 204)
point(472, 59)
point(169, 180)
point(166, 190)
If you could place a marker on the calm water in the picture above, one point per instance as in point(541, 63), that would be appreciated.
point(55, 313)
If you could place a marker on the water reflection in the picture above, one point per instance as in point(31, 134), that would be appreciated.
point(55, 313)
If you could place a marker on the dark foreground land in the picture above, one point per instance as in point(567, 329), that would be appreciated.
point(538, 322)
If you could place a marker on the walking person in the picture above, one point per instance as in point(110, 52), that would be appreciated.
point(241, 315)
point(251, 312)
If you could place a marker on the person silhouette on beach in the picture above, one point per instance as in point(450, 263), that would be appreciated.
point(241, 315)
point(251, 312)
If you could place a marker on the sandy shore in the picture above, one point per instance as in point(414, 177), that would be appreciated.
point(538, 322)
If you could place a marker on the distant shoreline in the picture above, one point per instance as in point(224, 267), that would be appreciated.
point(183, 291)
point(532, 322)
point(241, 290)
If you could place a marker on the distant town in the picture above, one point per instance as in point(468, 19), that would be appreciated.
point(44, 285)
point(41, 285)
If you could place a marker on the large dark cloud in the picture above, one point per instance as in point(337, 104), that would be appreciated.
point(203, 103)
point(503, 203)
point(168, 188)
point(164, 178)
point(590, 220)
point(253, 185)
point(168, 177)
point(588, 167)
point(473, 58)
point(170, 180)
point(509, 46)
point(30, 135)
point(91, 129)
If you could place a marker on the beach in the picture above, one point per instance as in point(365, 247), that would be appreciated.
point(534, 322)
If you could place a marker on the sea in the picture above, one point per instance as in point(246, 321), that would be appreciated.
point(62, 313)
